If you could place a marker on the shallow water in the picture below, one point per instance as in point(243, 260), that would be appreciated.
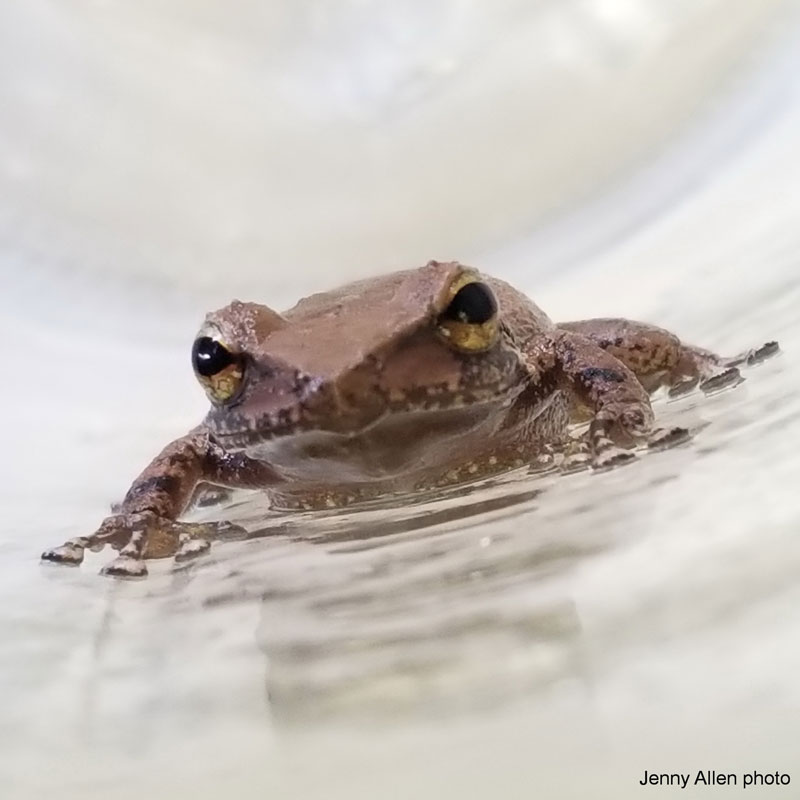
point(536, 633)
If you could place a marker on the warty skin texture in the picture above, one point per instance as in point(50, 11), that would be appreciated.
point(418, 379)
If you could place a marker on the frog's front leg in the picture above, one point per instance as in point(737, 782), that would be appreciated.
point(146, 526)
point(618, 404)
point(659, 358)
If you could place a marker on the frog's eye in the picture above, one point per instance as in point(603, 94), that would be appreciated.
point(469, 323)
point(217, 367)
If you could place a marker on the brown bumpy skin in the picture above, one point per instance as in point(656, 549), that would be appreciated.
point(659, 358)
point(145, 524)
point(619, 407)
point(399, 384)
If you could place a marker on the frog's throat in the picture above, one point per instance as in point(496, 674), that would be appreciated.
point(234, 432)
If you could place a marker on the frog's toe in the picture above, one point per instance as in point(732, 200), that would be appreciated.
point(125, 566)
point(683, 387)
point(668, 437)
point(611, 457)
point(69, 553)
point(189, 548)
point(762, 353)
point(606, 436)
point(576, 462)
point(726, 379)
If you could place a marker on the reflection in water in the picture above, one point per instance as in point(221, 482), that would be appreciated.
point(433, 605)
point(412, 611)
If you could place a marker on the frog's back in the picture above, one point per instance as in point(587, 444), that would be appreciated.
point(372, 313)
point(341, 327)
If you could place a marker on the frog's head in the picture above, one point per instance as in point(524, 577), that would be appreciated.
point(412, 343)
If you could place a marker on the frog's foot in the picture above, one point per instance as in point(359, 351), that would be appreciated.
point(594, 449)
point(608, 455)
point(612, 435)
point(140, 536)
point(111, 532)
point(729, 376)
point(126, 566)
point(717, 373)
point(71, 552)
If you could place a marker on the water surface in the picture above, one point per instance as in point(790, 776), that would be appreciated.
point(547, 633)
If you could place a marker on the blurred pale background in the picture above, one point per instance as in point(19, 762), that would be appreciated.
point(221, 144)
point(627, 157)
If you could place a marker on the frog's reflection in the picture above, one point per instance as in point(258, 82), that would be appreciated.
point(436, 606)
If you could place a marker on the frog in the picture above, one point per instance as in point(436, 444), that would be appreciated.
point(410, 381)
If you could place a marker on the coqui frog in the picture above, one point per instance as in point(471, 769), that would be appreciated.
point(401, 383)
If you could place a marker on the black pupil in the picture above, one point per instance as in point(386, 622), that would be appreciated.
point(474, 303)
point(209, 357)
